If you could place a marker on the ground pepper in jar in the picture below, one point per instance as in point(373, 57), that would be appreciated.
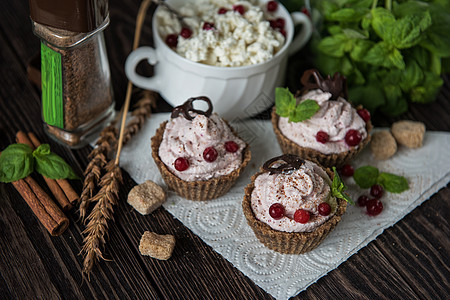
point(77, 98)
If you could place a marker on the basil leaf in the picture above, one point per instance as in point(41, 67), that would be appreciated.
point(304, 111)
point(428, 89)
point(51, 165)
point(366, 176)
point(284, 102)
point(16, 162)
point(393, 183)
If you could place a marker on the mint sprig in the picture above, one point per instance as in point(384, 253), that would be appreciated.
point(367, 176)
point(18, 161)
point(286, 106)
point(338, 187)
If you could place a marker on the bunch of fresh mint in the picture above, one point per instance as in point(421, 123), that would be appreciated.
point(391, 52)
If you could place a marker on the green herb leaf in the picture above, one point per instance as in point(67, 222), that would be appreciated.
point(338, 187)
point(286, 106)
point(366, 176)
point(334, 45)
point(382, 22)
point(383, 54)
point(407, 31)
point(52, 165)
point(304, 111)
point(348, 14)
point(393, 183)
point(284, 102)
point(360, 49)
point(16, 162)
point(370, 96)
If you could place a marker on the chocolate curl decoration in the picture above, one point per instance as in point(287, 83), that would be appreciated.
point(292, 162)
point(336, 86)
point(187, 106)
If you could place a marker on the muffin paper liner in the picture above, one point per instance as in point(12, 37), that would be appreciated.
point(327, 160)
point(289, 242)
point(196, 190)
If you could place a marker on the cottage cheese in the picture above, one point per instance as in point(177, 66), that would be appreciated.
point(189, 138)
point(334, 117)
point(236, 40)
point(304, 188)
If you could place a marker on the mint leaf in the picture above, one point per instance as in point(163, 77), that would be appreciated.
point(382, 22)
point(52, 165)
point(393, 183)
point(408, 31)
point(284, 102)
point(304, 111)
point(383, 54)
point(348, 14)
point(286, 106)
point(338, 187)
point(16, 162)
point(366, 176)
point(334, 45)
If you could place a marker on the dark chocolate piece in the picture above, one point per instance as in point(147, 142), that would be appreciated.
point(187, 106)
point(291, 162)
point(336, 86)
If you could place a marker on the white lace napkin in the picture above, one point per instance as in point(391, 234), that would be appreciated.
point(222, 225)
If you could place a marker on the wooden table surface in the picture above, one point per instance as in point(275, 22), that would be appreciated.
point(408, 261)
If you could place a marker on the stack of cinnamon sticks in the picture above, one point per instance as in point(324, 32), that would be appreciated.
point(45, 209)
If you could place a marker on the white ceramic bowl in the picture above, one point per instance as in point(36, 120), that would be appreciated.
point(235, 92)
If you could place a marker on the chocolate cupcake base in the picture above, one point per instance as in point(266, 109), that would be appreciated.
point(288, 242)
point(328, 160)
point(200, 190)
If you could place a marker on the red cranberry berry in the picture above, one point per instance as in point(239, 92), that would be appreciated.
point(374, 207)
point(280, 22)
point(353, 137)
point(276, 211)
point(306, 11)
point(362, 200)
point(301, 216)
point(181, 164)
point(272, 6)
point(324, 209)
point(347, 170)
point(376, 191)
point(222, 11)
point(172, 40)
point(208, 26)
point(231, 146)
point(186, 32)
point(239, 8)
point(283, 32)
point(322, 137)
point(210, 154)
point(364, 114)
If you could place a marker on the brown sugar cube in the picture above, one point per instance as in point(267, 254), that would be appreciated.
point(146, 197)
point(157, 246)
point(383, 145)
point(409, 133)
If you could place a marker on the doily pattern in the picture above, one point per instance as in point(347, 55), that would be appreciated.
point(222, 225)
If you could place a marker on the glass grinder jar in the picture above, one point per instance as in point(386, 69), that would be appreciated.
point(77, 97)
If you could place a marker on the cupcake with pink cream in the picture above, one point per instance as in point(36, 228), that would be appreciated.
point(320, 123)
point(292, 204)
point(198, 153)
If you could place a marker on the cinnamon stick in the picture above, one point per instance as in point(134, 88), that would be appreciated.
point(64, 184)
point(42, 206)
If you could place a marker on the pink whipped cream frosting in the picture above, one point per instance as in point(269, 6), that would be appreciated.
point(188, 139)
point(335, 118)
point(304, 188)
